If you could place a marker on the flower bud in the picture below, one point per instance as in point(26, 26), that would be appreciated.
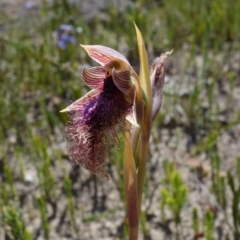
point(157, 74)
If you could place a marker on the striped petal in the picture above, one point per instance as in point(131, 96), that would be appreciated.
point(122, 81)
point(93, 77)
point(82, 101)
point(106, 56)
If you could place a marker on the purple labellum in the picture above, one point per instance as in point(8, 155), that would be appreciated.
point(95, 125)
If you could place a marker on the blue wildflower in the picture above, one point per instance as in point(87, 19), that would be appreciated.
point(29, 5)
point(64, 36)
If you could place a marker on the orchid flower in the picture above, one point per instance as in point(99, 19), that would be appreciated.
point(120, 100)
point(98, 117)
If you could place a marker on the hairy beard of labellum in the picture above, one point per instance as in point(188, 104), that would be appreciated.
point(95, 125)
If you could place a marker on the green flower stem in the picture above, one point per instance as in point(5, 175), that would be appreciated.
point(136, 133)
point(146, 122)
point(130, 184)
point(143, 152)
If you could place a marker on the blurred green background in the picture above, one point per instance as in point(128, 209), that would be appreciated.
point(45, 196)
